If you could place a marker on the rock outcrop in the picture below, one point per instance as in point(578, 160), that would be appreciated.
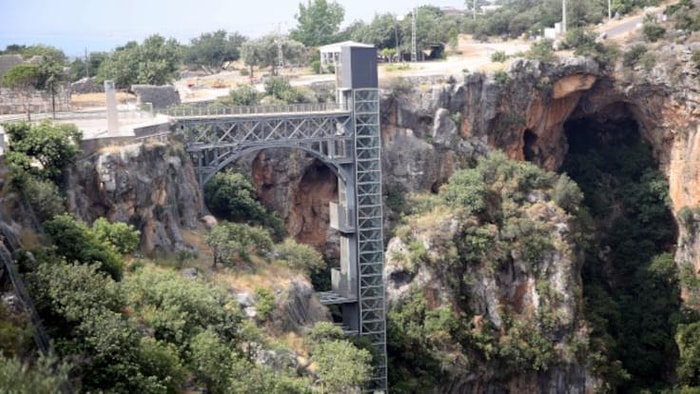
point(152, 186)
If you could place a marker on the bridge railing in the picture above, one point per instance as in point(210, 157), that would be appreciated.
point(215, 110)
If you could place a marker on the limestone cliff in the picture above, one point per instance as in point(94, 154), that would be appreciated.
point(152, 186)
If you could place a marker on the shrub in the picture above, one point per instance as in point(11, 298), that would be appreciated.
point(231, 196)
point(44, 198)
point(75, 241)
point(299, 256)
point(264, 303)
point(499, 57)
point(244, 94)
point(316, 66)
point(632, 56)
point(501, 77)
point(696, 59)
point(42, 378)
point(542, 51)
point(122, 236)
point(652, 30)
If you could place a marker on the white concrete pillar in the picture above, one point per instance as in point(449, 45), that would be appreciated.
point(112, 115)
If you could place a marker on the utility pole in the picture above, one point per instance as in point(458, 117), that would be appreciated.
point(414, 41)
point(609, 11)
point(474, 10)
point(280, 52)
point(87, 64)
point(563, 16)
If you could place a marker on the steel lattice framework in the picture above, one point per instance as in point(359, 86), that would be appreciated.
point(348, 140)
point(368, 180)
point(215, 141)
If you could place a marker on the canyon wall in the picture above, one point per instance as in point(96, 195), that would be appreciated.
point(428, 132)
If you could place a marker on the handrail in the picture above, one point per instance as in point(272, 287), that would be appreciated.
point(40, 337)
point(192, 111)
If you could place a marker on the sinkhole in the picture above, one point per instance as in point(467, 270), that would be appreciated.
point(631, 298)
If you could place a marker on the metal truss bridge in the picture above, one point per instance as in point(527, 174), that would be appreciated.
point(346, 137)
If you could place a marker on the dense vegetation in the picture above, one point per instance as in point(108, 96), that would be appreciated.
point(124, 324)
point(631, 288)
point(499, 206)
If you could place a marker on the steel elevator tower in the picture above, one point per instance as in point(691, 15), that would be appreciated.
point(346, 137)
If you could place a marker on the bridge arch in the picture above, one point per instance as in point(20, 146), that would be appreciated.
point(342, 172)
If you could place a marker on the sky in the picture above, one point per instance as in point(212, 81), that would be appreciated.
point(102, 25)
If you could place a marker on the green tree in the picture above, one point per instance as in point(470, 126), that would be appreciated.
point(23, 78)
point(17, 377)
point(383, 32)
point(231, 196)
point(76, 242)
point(264, 52)
point(318, 22)
point(214, 49)
point(80, 68)
point(243, 94)
point(122, 236)
point(51, 74)
point(299, 256)
point(341, 367)
point(177, 309)
point(53, 146)
point(155, 61)
point(44, 197)
point(231, 240)
point(281, 90)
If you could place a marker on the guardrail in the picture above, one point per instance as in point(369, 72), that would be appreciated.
point(74, 115)
point(185, 112)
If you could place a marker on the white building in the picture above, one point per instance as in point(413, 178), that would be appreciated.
point(330, 54)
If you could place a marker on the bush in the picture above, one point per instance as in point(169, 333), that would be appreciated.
point(541, 51)
point(44, 198)
point(501, 77)
point(122, 236)
point(316, 66)
point(299, 256)
point(244, 94)
point(76, 242)
point(696, 59)
point(231, 196)
point(231, 240)
point(42, 378)
point(280, 89)
point(264, 303)
point(499, 57)
point(632, 56)
point(652, 30)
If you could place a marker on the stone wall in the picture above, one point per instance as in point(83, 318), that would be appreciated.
point(159, 96)
point(13, 102)
point(86, 85)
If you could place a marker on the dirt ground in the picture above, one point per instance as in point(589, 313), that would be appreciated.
point(92, 100)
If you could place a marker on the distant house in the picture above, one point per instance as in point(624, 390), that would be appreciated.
point(330, 54)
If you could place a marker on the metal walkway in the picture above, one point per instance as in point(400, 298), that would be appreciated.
point(346, 137)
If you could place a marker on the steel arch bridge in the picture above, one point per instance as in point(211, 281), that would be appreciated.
point(346, 137)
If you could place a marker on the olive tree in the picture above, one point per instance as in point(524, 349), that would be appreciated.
point(23, 79)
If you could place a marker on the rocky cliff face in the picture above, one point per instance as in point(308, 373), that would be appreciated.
point(152, 186)
point(428, 132)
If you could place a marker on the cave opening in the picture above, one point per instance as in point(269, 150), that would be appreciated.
point(529, 146)
point(631, 295)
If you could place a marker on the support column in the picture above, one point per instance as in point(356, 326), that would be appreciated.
point(112, 119)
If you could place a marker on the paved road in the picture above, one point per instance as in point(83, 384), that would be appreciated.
point(623, 28)
point(620, 28)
